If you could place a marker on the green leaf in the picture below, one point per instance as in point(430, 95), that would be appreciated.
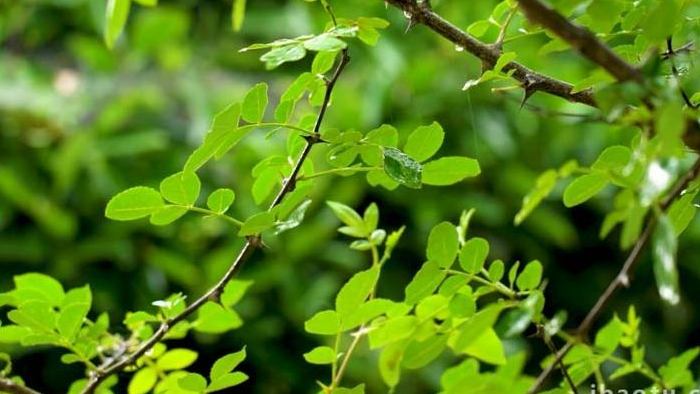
point(420, 353)
point(220, 200)
point(143, 381)
point(13, 333)
point(665, 246)
point(424, 142)
point(660, 21)
point(356, 291)
point(359, 389)
point(496, 271)
point(583, 188)
point(226, 381)
point(676, 372)
point(234, 291)
point(517, 320)
point(473, 255)
point(320, 355)
point(176, 359)
point(237, 14)
point(613, 157)
point(222, 136)
point(473, 328)
point(543, 186)
point(323, 323)
point(167, 214)
point(487, 347)
point(323, 62)
point(390, 364)
point(193, 382)
point(424, 283)
point(608, 337)
point(682, 212)
point(443, 244)
point(402, 168)
point(392, 330)
point(181, 188)
point(227, 364)
point(449, 170)
point(76, 305)
point(116, 16)
point(384, 135)
point(669, 127)
point(257, 223)
point(366, 312)
point(479, 28)
point(350, 218)
point(368, 29)
point(36, 286)
point(214, 319)
point(513, 272)
point(295, 218)
point(254, 103)
point(371, 217)
point(324, 43)
point(284, 54)
point(134, 203)
point(530, 277)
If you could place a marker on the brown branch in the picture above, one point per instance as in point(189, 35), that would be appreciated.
point(11, 387)
point(532, 81)
point(622, 279)
point(581, 39)
point(252, 243)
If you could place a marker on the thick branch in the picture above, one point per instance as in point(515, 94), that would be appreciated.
point(532, 81)
point(622, 279)
point(252, 243)
point(8, 386)
point(581, 39)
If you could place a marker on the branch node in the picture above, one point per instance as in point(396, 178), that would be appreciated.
point(625, 280)
point(255, 241)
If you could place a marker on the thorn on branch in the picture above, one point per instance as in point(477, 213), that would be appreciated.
point(255, 241)
point(313, 138)
point(530, 87)
point(216, 296)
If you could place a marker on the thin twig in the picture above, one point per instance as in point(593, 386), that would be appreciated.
point(9, 386)
point(677, 75)
point(420, 12)
point(252, 243)
point(553, 348)
point(504, 28)
point(346, 360)
point(622, 279)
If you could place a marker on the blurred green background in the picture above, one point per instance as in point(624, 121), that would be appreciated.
point(78, 123)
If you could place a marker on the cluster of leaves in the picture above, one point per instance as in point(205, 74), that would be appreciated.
point(470, 308)
point(42, 313)
point(617, 348)
point(643, 173)
point(443, 308)
point(163, 371)
point(293, 49)
point(37, 296)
